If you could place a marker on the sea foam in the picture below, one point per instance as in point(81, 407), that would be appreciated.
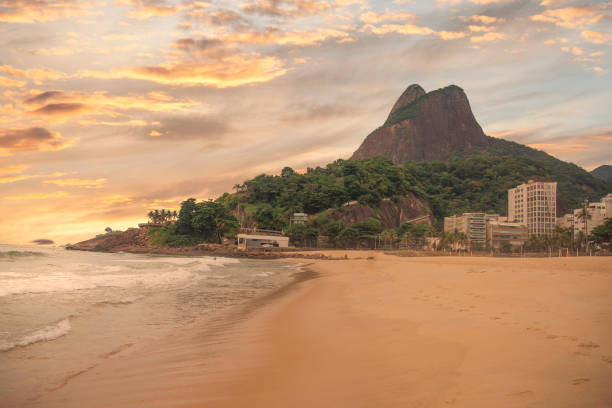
point(47, 333)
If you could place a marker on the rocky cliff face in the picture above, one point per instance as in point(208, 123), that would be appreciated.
point(391, 215)
point(425, 126)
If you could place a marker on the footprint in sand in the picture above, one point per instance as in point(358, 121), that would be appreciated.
point(552, 336)
point(588, 344)
point(579, 381)
point(607, 359)
point(525, 393)
point(581, 353)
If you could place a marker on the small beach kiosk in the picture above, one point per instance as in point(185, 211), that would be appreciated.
point(257, 238)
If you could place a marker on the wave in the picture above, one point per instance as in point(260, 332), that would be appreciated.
point(47, 333)
point(10, 255)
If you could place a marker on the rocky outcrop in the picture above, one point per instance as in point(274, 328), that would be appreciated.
point(132, 240)
point(391, 215)
point(425, 126)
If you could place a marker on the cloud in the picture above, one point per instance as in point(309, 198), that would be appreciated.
point(596, 37)
point(38, 196)
point(286, 8)
point(31, 139)
point(146, 9)
point(406, 29)
point(60, 109)
point(231, 71)
point(42, 241)
point(488, 37)
point(9, 83)
point(76, 182)
point(133, 122)
point(43, 97)
point(60, 104)
point(219, 17)
point(32, 11)
point(38, 75)
point(372, 17)
point(274, 35)
point(573, 17)
point(574, 50)
point(484, 19)
point(209, 131)
point(412, 29)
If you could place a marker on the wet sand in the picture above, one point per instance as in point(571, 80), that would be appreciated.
point(385, 332)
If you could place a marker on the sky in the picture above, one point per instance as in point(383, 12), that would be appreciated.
point(111, 108)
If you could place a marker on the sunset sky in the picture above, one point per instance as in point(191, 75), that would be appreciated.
point(110, 108)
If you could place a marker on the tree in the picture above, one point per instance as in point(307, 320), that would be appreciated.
point(108, 230)
point(603, 234)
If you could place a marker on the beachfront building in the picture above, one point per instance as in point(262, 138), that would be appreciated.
point(257, 238)
point(597, 214)
point(566, 221)
point(534, 205)
point(471, 224)
point(508, 233)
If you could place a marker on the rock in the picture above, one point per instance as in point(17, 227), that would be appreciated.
point(425, 126)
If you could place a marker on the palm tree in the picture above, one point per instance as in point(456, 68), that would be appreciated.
point(584, 215)
point(156, 216)
point(151, 216)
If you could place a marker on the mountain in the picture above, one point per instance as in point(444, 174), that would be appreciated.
point(439, 127)
point(425, 126)
point(603, 173)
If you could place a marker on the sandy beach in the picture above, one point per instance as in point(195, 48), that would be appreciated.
point(383, 332)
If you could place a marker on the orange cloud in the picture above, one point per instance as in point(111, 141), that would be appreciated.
point(60, 104)
point(596, 37)
point(146, 9)
point(38, 75)
point(488, 37)
point(7, 82)
point(573, 17)
point(231, 71)
point(60, 109)
point(31, 139)
point(28, 11)
point(276, 36)
point(407, 29)
point(76, 182)
point(38, 196)
point(372, 17)
point(483, 19)
point(287, 8)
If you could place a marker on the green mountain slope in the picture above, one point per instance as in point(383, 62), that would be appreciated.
point(575, 184)
point(603, 173)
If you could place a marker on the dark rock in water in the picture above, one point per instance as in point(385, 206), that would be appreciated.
point(425, 126)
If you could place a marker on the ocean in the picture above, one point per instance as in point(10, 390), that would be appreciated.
point(63, 312)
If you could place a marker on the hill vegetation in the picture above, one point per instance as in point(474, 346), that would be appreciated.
point(474, 181)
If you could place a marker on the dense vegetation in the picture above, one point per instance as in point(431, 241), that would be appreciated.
point(474, 181)
point(206, 221)
point(574, 183)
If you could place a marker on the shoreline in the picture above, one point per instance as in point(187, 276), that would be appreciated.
point(387, 331)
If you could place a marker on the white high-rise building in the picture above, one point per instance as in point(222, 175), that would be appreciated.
point(534, 204)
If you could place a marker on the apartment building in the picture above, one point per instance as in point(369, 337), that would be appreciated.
point(512, 233)
point(534, 204)
point(597, 214)
point(473, 225)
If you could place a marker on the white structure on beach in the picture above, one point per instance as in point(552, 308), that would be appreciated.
point(534, 204)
